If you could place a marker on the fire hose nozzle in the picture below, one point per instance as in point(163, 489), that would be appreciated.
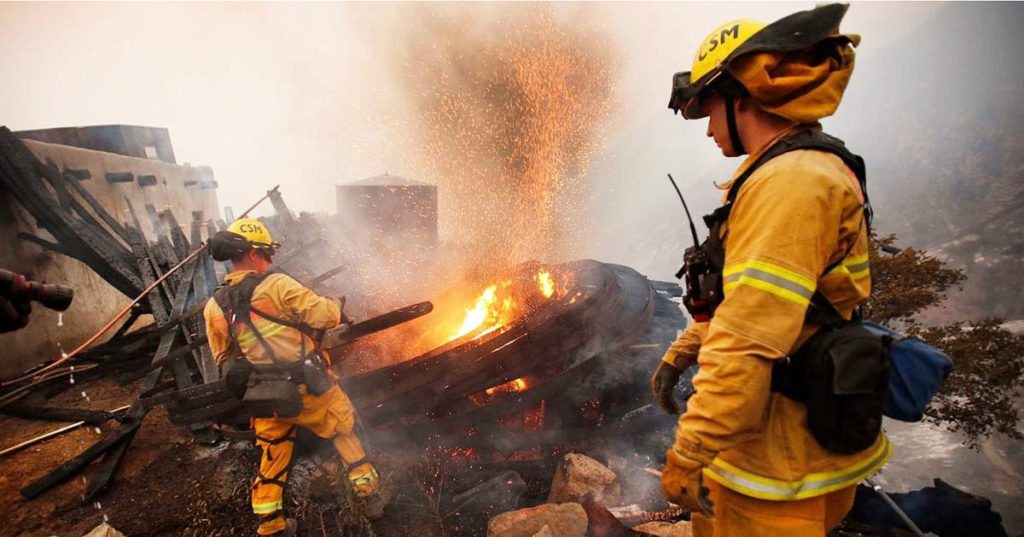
point(18, 287)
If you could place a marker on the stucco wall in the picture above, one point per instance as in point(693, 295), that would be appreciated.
point(182, 189)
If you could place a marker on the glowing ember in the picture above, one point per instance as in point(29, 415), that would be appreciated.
point(512, 386)
point(509, 118)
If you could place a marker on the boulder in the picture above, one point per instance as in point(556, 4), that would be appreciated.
point(561, 519)
point(578, 476)
point(666, 529)
point(545, 532)
point(104, 530)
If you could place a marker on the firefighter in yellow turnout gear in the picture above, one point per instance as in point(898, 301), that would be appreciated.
point(285, 316)
point(794, 226)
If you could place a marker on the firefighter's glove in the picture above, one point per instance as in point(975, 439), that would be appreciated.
point(345, 319)
point(663, 382)
point(682, 481)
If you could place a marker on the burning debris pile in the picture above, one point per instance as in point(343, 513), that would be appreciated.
point(519, 369)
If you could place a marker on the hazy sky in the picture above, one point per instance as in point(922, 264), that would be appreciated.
point(307, 96)
point(275, 93)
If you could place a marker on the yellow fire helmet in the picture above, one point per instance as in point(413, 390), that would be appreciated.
point(740, 37)
point(254, 232)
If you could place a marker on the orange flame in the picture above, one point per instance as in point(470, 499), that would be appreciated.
point(488, 310)
point(500, 304)
point(547, 284)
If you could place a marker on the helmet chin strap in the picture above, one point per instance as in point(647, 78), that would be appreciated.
point(734, 132)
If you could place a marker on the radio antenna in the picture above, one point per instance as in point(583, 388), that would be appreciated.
point(693, 229)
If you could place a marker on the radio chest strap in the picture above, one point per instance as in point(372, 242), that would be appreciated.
point(822, 311)
point(236, 302)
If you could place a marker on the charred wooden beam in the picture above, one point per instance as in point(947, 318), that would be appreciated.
point(58, 414)
point(76, 464)
point(180, 352)
point(20, 172)
point(347, 334)
point(63, 187)
point(202, 288)
point(55, 247)
point(106, 469)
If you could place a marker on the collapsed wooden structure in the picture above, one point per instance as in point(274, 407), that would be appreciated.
point(122, 255)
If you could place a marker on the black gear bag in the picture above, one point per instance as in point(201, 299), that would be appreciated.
point(842, 374)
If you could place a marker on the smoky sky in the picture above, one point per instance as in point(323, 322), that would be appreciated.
point(312, 95)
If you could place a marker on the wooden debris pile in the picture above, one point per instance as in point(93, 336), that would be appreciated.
point(120, 253)
point(169, 278)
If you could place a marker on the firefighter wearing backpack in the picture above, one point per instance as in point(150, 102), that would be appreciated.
point(793, 227)
point(263, 329)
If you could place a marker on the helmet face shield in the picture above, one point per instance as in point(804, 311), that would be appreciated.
point(684, 95)
point(680, 91)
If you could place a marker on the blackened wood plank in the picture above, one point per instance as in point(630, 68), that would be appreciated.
point(18, 172)
point(105, 471)
point(57, 414)
point(76, 464)
point(96, 206)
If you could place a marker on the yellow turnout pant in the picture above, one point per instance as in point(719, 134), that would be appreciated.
point(742, 516)
point(329, 415)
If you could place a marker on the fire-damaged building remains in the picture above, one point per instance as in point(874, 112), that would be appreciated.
point(511, 388)
point(515, 368)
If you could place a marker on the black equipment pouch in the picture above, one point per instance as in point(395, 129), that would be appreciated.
point(272, 393)
point(236, 376)
point(842, 374)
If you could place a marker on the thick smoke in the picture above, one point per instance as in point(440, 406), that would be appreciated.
point(508, 104)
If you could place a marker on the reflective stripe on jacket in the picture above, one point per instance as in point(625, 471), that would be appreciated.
point(795, 215)
point(279, 296)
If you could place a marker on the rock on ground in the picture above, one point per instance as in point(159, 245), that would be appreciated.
point(562, 519)
point(545, 532)
point(104, 530)
point(666, 529)
point(579, 475)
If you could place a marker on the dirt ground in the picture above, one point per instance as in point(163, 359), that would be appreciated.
point(156, 492)
point(171, 485)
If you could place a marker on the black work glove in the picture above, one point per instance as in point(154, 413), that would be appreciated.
point(345, 319)
point(663, 382)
